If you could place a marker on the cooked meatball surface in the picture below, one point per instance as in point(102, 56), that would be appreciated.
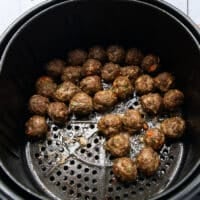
point(91, 85)
point(76, 57)
point(36, 126)
point(125, 169)
point(173, 99)
point(173, 127)
point(66, 91)
point(148, 161)
point(150, 63)
point(97, 52)
point(55, 67)
point(38, 104)
point(154, 138)
point(110, 71)
point(118, 145)
point(58, 112)
point(81, 104)
point(144, 84)
point(132, 121)
point(164, 81)
point(152, 103)
point(110, 124)
point(104, 100)
point(122, 87)
point(134, 57)
point(115, 53)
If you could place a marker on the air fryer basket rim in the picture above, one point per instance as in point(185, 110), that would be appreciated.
point(59, 4)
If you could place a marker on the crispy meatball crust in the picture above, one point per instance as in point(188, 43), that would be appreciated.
point(55, 67)
point(38, 104)
point(97, 52)
point(116, 54)
point(110, 71)
point(148, 161)
point(36, 126)
point(144, 84)
point(91, 85)
point(122, 87)
point(125, 169)
point(76, 57)
point(110, 124)
point(118, 145)
point(173, 127)
point(134, 57)
point(150, 63)
point(81, 104)
point(152, 103)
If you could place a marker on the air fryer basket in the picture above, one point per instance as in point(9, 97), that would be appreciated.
point(51, 168)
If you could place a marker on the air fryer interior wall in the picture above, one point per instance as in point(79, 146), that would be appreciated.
point(83, 24)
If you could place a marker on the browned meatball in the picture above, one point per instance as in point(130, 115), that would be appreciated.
point(148, 161)
point(132, 72)
point(91, 84)
point(125, 169)
point(66, 91)
point(173, 127)
point(104, 100)
point(97, 52)
point(71, 73)
point(132, 121)
point(118, 145)
point(152, 103)
point(154, 138)
point(91, 67)
point(115, 53)
point(58, 112)
point(110, 124)
point(110, 71)
point(55, 67)
point(164, 81)
point(38, 104)
point(81, 104)
point(76, 57)
point(144, 84)
point(134, 57)
point(36, 126)
point(45, 86)
point(173, 99)
point(122, 87)
point(150, 63)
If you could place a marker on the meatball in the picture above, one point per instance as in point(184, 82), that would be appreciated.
point(152, 103)
point(148, 161)
point(97, 52)
point(71, 73)
point(132, 72)
point(110, 71)
point(76, 57)
point(173, 99)
point(144, 84)
point(118, 145)
point(91, 67)
point(36, 126)
point(45, 86)
point(122, 87)
point(150, 63)
point(134, 57)
point(154, 138)
point(55, 67)
point(58, 112)
point(173, 127)
point(66, 91)
point(91, 84)
point(125, 169)
point(110, 124)
point(164, 81)
point(132, 121)
point(81, 104)
point(104, 100)
point(116, 54)
point(38, 104)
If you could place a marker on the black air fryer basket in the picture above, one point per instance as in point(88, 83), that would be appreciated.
point(50, 170)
